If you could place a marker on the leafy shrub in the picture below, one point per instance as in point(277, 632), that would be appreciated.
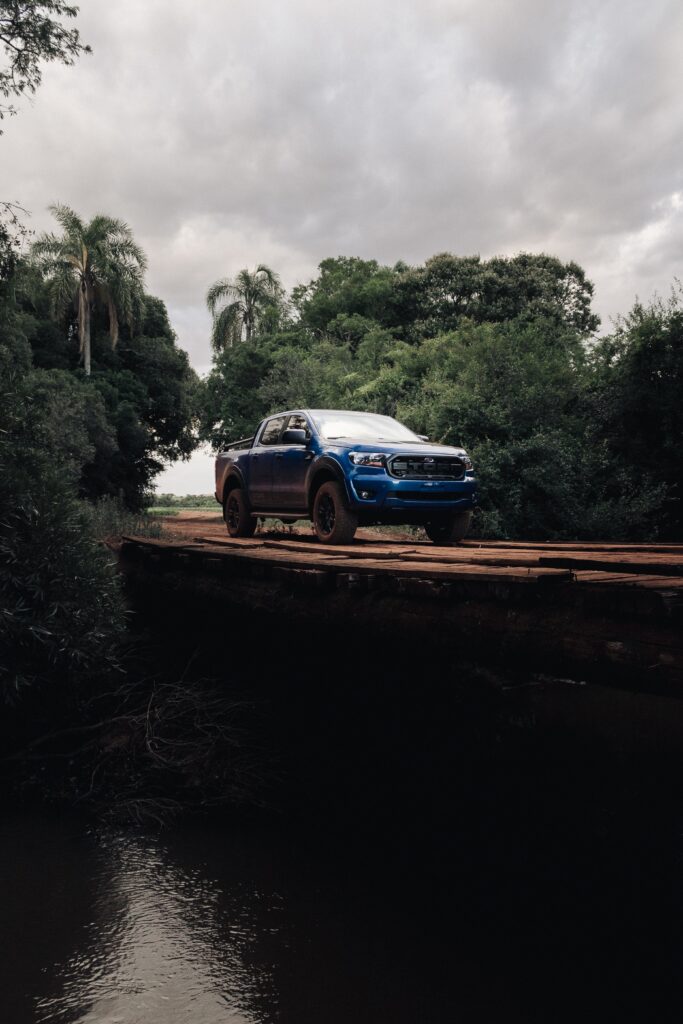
point(61, 611)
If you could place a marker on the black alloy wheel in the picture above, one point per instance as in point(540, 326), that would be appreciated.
point(325, 515)
point(236, 515)
point(333, 522)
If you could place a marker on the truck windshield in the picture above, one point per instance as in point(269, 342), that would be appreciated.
point(361, 426)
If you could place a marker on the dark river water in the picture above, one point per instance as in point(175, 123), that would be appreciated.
point(220, 923)
point(210, 925)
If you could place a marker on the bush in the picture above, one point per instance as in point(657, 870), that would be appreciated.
point(61, 614)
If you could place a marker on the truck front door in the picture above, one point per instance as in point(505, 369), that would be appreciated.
point(290, 468)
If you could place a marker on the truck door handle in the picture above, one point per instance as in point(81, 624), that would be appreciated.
point(279, 455)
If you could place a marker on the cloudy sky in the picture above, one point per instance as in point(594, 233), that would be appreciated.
point(233, 132)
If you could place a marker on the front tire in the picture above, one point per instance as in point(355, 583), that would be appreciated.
point(449, 531)
point(333, 522)
point(236, 514)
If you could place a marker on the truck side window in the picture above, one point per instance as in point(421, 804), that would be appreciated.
point(299, 422)
point(271, 432)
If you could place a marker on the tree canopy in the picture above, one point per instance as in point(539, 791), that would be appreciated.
point(418, 302)
point(242, 307)
point(92, 264)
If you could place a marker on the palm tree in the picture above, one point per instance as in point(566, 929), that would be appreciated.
point(238, 307)
point(89, 265)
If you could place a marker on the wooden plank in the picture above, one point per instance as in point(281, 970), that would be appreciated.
point(292, 544)
point(396, 567)
point(630, 580)
point(428, 553)
point(666, 565)
point(548, 546)
point(601, 576)
point(431, 554)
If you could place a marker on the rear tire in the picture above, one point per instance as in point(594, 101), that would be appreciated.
point(236, 515)
point(450, 531)
point(333, 522)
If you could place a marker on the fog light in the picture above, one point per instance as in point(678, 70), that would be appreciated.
point(367, 494)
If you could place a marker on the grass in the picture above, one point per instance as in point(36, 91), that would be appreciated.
point(191, 502)
point(108, 518)
point(172, 504)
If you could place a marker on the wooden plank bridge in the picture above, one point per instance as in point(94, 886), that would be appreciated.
point(582, 610)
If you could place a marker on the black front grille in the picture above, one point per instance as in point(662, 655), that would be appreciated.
point(425, 495)
point(427, 467)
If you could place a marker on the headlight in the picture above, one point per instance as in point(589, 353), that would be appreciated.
point(377, 459)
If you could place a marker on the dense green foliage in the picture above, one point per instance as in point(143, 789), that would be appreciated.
point(571, 437)
point(136, 408)
point(65, 437)
point(636, 395)
point(60, 608)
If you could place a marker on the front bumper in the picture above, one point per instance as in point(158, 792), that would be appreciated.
point(378, 491)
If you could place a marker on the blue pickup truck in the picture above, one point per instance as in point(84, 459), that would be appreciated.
point(341, 470)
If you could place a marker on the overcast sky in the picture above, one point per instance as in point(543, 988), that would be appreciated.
point(233, 132)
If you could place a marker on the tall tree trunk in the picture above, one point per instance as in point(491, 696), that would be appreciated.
point(84, 326)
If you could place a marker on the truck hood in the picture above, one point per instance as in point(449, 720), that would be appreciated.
point(397, 447)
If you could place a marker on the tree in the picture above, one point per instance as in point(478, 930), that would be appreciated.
point(635, 399)
point(231, 405)
point(138, 406)
point(240, 308)
point(30, 33)
point(348, 286)
point(437, 297)
point(98, 263)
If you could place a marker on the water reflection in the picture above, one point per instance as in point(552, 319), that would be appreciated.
point(160, 942)
point(204, 926)
point(164, 943)
point(210, 925)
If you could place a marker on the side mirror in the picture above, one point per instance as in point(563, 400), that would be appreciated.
point(294, 437)
point(423, 437)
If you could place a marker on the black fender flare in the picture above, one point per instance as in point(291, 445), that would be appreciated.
point(233, 474)
point(330, 468)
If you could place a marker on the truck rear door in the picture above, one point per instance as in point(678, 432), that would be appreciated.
point(261, 459)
